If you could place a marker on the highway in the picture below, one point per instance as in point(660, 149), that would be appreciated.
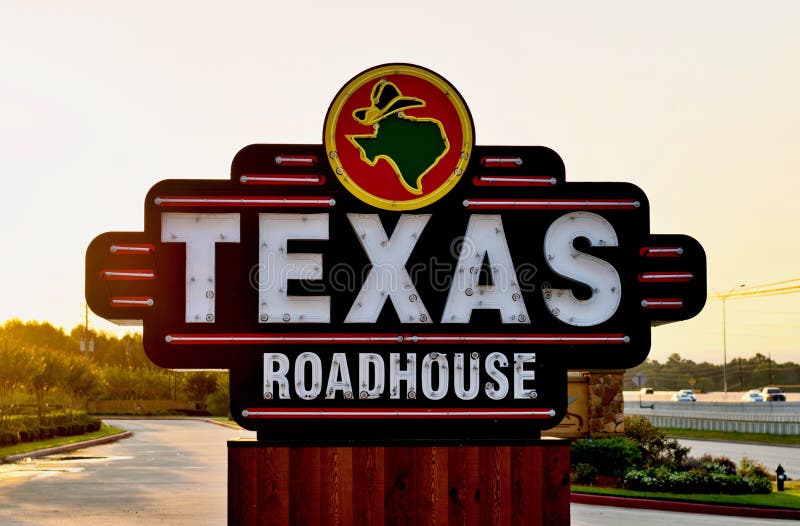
point(173, 472)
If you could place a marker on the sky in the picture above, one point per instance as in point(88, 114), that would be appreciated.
point(696, 102)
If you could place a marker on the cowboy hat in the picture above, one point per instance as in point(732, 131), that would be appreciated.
point(386, 100)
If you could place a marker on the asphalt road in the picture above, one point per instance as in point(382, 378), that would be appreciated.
point(169, 472)
point(174, 473)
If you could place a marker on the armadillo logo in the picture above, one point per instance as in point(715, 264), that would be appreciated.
point(398, 137)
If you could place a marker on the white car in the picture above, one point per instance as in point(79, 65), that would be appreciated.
point(753, 395)
point(684, 395)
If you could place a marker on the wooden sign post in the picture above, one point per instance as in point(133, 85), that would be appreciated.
point(523, 484)
point(397, 307)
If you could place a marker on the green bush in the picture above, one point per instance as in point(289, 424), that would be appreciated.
point(750, 468)
point(759, 485)
point(8, 438)
point(218, 403)
point(664, 479)
point(657, 449)
point(585, 473)
point(32, 428)
point(610, 456)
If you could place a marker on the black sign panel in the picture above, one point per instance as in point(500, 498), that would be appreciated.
point(388, 285)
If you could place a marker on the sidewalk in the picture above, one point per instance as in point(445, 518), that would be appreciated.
point(685, 507)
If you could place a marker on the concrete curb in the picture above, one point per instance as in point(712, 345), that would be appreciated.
point(684, 507)
point(225, 424)
point(67, 447)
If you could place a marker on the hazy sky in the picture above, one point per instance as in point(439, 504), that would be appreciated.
point(696, 102)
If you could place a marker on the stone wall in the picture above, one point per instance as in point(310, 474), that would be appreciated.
point(606, 411)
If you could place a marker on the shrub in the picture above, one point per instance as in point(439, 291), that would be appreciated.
point(759, 485)
point(218, 403)
point(707, 463)
point(30, 429)
point(664, 479)
point(610, 456)
point(585, 473)
point(750, 468)
point(657, 449)
point(8, 438)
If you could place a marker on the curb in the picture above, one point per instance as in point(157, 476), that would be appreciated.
point(225, 424)
point(67, 447)
point(684, 507)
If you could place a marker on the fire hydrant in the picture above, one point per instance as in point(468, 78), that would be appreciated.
point(781, 476)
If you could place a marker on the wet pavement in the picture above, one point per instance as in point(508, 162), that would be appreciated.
point(175, 472)
point(169, 472)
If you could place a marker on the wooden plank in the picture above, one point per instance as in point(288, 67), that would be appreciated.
point(495, 485)
point(337, 486)
point(305, 481)
point(555, 485)
point(273, 486)
point(368, 486)
point(242, 486)
point(464, 486)
point(526, 486)
point(399, 482)
point(436, 486)
point(430, 466)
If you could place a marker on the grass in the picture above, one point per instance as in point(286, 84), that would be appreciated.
point(27, 447)
point(789, 499)
point(733, 436)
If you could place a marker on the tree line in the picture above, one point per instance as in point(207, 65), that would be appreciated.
point(43, 368)
point(742, 374)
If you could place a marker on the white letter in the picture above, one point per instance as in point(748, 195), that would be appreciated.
point(474, 376)
point(300, 375)
point(271, 375)
point(396, 375)
point(502, 382)
point(388, 275)
point(521, 374)
point(277, 267)
point(597, 274)
point(339, 377)
point(365, 360)
point(427, 373)
point(201, 233)
point(484, 238)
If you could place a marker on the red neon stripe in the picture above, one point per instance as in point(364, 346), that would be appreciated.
point(660, 252)
point(550, 204)
point(665, 277)
point(499, 180)
point(283, 179)
point(237, 201)
point(131, 301)
point(384, 338)
point(295, 160)
point(662, 303)
point(131, 248)
point(128, 274)
point(361, 413)
point(501, 162)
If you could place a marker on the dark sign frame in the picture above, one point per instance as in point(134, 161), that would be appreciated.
point(396, 283)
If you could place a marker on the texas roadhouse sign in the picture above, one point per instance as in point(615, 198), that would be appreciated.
point(396, 282)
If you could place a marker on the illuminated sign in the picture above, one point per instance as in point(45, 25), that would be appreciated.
point(357, 292)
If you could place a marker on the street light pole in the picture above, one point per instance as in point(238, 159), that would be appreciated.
point(724, 349)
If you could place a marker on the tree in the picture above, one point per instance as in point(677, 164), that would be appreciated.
point(82, 380)
point(47, 377)
point(198, 385)
point(17, 368)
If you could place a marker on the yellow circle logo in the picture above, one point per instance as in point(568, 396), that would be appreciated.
point(398, 136)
